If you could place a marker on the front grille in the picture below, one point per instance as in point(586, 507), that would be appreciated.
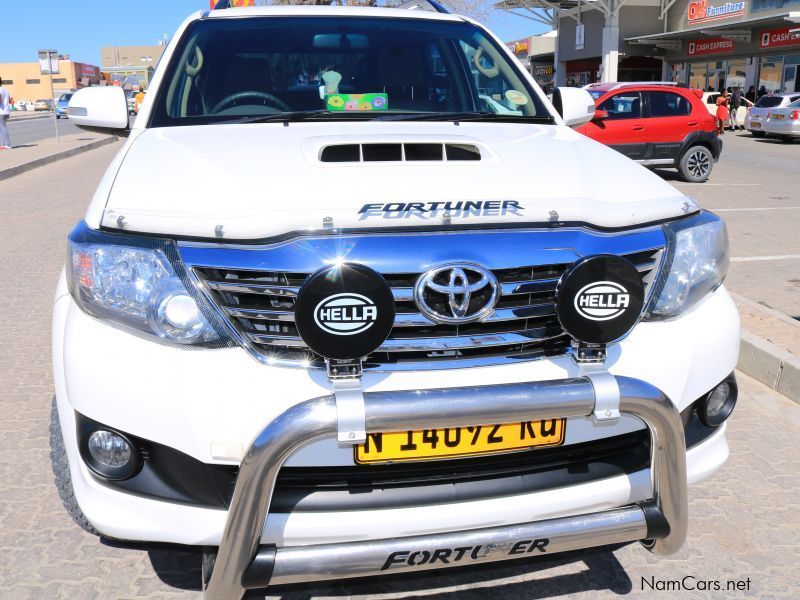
point(523, 325)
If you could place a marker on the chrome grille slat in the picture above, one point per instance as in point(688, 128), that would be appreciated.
point(439, 344)
point(259, 303)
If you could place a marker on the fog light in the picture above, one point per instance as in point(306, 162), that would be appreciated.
point(111, 455)
point(718, 404)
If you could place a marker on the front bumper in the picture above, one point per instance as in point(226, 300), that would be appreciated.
point(661, 523)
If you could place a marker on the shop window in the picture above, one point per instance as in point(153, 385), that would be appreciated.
point(668, 104)
point(623, 106)
point(60, 80)
point(7, 82)
point(758, 5)
point(33, 81)
point(769, 75)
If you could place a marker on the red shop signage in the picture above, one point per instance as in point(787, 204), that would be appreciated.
point(785, 36)
point(711, 46)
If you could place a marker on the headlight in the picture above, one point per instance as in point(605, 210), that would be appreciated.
point(136, 287)
point(697, 260)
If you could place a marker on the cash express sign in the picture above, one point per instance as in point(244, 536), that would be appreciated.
point(703, 11)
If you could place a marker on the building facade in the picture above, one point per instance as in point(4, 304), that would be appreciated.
point(130, 56)
point(24, 81)
point(708, 44)
point(719, 44)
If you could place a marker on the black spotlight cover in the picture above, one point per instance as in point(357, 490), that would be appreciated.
point(344, 312)
point(599, 299)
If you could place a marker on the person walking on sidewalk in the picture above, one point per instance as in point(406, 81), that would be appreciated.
point(5, 111)
point(735, 103)
point(722, 111)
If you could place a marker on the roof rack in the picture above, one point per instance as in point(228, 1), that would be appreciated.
point(431, 5)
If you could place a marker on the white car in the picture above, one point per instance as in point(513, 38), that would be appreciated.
point(756, 118)
point(367, 327)
point(710, 99)
point(784, 122)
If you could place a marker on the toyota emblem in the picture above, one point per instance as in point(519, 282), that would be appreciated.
point(456, 293)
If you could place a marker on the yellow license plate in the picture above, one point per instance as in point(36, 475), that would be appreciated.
point(778, 117)
point(755, 125)
point(430, 444)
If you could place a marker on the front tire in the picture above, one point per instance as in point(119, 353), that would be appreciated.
point(696, 164)
point(63, 479)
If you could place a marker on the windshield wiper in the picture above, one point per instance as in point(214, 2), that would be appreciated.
point(287, 117)
point(474, 115)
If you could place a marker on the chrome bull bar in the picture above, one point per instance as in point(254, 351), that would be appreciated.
point(660, 523)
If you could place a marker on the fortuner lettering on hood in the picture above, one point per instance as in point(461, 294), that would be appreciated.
point(354, 298)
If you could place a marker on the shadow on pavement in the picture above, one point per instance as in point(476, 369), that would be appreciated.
point(179, 567)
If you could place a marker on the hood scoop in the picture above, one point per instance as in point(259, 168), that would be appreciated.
point(395, 152)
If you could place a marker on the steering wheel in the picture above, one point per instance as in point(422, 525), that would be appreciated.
point(229, 100)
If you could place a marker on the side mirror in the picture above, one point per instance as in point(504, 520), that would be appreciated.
point(102, 109)
point(599, 115)
point(575, 105)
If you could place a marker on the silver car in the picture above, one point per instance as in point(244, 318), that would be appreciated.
point(756, 118)
point(784, 122)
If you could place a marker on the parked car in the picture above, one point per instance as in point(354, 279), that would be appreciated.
point(43, 104)
point(657, 125)
point(756, 117)
point(62, 104)
point(784, 123)
point(131, 102)
point(710, 100)
point(386, 329)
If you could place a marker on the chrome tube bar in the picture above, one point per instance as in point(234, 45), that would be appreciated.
point(398, 555)
point(450, 407)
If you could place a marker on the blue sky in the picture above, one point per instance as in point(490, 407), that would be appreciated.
point(81, 27)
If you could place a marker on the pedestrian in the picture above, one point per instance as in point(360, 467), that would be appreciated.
point(722, 111)
point(735, 103)
point(762, 91)
point(751, 94)
point(5, 111)
point(139, 98)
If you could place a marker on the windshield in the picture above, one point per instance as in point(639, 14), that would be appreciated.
point(228, 69)
point(65, 97)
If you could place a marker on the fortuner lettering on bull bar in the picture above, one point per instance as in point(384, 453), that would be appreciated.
point(405, 304)
point(446, 556)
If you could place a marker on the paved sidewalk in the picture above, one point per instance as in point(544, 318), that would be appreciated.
point(770, 347)
point(18, 115)
point(29, 156)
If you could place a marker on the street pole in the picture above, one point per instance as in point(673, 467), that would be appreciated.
point(53, 97)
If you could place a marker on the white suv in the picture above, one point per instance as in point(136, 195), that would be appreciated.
point(357, 323)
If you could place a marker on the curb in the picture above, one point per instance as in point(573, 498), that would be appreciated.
point(51, 158)
point(29, 118)
point(770, 364)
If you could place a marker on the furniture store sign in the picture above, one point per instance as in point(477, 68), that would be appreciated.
point(703, 11)
point(716, 45)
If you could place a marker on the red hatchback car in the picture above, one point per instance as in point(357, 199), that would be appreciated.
point(657, 125)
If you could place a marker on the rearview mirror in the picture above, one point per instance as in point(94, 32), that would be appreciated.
point(599, 115)
point(102, 109)
point(575, 105)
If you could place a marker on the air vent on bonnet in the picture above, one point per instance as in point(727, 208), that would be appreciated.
point(339, 153)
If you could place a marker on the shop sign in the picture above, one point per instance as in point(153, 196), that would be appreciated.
point(88, 71)
point(543, 70)
point(579, 36)
point(702, 11)
point(785, 36)
point(520, 47)
point(711, 46)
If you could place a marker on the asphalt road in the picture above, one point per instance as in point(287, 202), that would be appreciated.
point(743, 528)
point(29, 131)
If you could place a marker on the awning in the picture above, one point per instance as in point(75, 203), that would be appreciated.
point(671, 40)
